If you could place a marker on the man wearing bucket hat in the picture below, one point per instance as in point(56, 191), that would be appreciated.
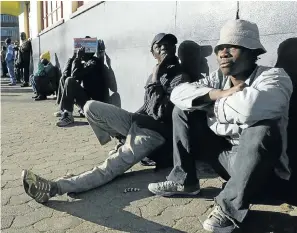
point(236, 119)
point(145, 131)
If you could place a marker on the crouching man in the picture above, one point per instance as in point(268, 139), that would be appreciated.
point(145, 131)
point(236, 119)
point(41, 80)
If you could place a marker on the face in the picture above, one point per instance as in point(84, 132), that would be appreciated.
point(162, 48)
point(44, 61)
point(234, 60)
point(23, 36)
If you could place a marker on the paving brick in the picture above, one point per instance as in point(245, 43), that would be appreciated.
point(59, 223)
point(31, 218)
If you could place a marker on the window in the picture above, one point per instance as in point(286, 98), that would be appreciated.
point(79, 3)
point(52, 11)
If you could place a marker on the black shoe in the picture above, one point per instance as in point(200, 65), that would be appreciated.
point(25, 85)
point(147, 162)
point(40, 97)
point(34, 97)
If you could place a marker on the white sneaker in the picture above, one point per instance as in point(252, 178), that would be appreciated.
point(170, 188)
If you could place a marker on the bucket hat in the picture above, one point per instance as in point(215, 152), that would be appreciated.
point(241, 33)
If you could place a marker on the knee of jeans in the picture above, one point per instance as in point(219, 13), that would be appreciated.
point(89, 106)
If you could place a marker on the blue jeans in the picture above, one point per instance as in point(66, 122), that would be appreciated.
point(10, 67)
point(247, 167)
point(33, 83)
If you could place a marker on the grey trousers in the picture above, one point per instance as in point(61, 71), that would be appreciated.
point(107, 120)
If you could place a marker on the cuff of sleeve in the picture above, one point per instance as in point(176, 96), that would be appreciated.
point(157, 83)
point(219, 110)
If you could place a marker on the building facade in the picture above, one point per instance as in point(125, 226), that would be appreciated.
point(9, 27)
point(128, 28)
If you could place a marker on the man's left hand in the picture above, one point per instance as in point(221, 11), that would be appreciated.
point(108, 61)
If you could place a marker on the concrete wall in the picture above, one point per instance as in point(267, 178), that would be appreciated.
point(128, 28)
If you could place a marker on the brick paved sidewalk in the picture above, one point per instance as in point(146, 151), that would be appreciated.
point(31, 140)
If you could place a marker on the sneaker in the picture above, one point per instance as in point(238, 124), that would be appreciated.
point(169, 188)
point(65, 120)
point(147, 162)
point(58, 114)
point(41, 190)
point(218, 222)
point(40, 97)
point(11, 84)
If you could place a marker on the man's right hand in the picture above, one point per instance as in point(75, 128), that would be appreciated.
point(159, 68)
point(80, 53)
point(234, 89)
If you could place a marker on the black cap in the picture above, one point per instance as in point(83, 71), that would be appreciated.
point(162, 36)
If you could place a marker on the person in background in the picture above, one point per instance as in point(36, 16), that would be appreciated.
point(41, 80)
point(65, 74)
point(17, 66)
point(88, 80)
point(237, 120)
point(24, 58)
point(3, 62)
point(9, 58)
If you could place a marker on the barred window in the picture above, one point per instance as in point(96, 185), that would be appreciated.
point(52, 11)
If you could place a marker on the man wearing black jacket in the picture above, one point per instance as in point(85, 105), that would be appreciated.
point(25, 53)
point(145, 131)
point(89, 71)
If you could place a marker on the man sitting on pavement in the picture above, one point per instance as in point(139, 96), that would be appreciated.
point(237, 120)
point(91, 71)
point(41, 81)
point(145, 132)
point(65, 74)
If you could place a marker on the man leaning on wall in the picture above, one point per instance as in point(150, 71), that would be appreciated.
point(236, 119)
point(145, 131)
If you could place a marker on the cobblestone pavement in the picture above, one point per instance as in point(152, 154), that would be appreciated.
point(31, 140)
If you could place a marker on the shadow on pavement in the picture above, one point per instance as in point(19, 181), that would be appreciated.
point(266, 221)
point(105, 206)
point(77, 123)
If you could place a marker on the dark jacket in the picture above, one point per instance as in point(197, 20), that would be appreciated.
point(157, 104)
point(94, 75)
point(25, 53)
point(68, 67)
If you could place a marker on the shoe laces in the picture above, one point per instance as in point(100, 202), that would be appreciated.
point(218, 214)
point(167, 185)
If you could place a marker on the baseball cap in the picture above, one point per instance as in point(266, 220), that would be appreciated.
point(162, 36)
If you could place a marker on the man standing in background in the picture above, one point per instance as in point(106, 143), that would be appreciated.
point(9, 58)
point(25, 57)
point(3, 62)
